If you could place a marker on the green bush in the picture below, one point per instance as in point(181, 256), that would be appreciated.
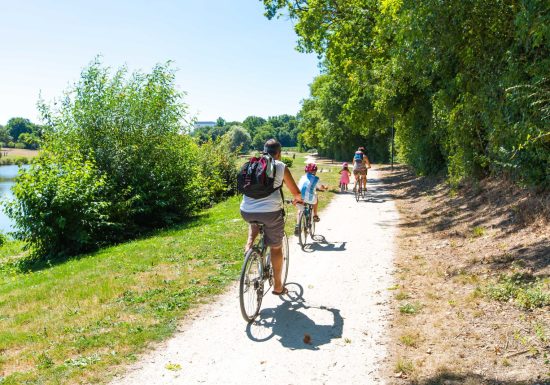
point(61, 205)
point(116, 164)
point(288, 161)
point(525, 290)
point(218, 168)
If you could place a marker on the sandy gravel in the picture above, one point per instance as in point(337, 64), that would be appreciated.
point(338, 295)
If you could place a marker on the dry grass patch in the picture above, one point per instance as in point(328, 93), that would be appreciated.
point(479, 263)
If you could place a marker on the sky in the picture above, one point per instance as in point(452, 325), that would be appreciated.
point(232, 62)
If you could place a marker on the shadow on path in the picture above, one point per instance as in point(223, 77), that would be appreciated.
point(320, 243)
point(293, 319)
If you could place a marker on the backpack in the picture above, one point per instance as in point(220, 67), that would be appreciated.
point(358, 157)
point(257, 176)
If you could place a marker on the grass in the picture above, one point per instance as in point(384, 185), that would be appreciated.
point(75, 321)
point(16, 156)
point(410, 340)
point(72, 322)
point(401, 295)
point(478, 231)
point(524, 290)
point(404, 366)
point(410, 308)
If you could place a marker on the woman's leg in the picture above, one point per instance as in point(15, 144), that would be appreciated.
point(253, 231)
point(277, 263)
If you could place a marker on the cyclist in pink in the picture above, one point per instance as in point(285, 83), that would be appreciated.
point(345, 173)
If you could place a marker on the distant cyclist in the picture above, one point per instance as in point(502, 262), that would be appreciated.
point(360, 165)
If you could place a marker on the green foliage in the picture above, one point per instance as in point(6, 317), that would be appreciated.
point(220, 122)
point(18, 126)
point(29, 141)
point(252, 123)
point(132, 167)
point(238, 139)
point(410, 308)
point(284, 128)
point(526, 291)
point(61, 205)
point(218, 166)
point(287, 161)
point(471, 98)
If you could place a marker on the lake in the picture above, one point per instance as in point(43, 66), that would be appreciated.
point(7, 180)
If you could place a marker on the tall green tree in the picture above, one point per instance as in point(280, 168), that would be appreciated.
point(18, 126)
point(463, 81)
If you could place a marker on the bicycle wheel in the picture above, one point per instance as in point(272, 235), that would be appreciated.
point(311, 226)
point(357, 190)
point(302, 225)
point(284, 272)
point(251, 285)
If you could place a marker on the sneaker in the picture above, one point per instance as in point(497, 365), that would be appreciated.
point(296, 230)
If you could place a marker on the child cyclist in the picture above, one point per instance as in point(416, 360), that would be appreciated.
point(309, 185)
point(345, 173)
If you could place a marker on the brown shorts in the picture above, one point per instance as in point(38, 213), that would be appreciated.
point(274, 225)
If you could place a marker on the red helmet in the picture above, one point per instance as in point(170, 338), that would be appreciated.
point(311, 167)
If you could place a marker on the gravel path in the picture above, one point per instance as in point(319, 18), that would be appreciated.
point(338, 296)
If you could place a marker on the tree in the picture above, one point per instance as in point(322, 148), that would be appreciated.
point(457, 95)
point(18, 126)
point(31, 141)
point(220, 122)
point(123, 131)
point(251, 123)
point(238, 139)
point(5, 134)
point(262, 135)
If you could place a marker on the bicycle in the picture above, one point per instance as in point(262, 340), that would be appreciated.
point(255, 272)
point(306, 224)
point(358, 190)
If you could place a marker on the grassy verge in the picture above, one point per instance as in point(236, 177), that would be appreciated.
point(10, 156)
point(76, 321)
point(71, 322)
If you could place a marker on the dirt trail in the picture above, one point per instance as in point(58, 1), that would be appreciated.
point(338, 295)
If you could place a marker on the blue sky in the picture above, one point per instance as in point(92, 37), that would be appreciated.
point(231, 60)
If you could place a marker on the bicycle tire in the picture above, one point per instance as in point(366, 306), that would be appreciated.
point(357, 191)
point(311, 227)
point(284, 272)
point(302, 225)
point(250, 306)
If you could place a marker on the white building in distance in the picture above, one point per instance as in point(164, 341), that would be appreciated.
point(204, 124)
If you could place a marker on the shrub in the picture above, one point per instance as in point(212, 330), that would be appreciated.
point(288, 161)
point(525, 290)
point(218, 170)
point(20, 145)
point(116, 163)
point(238, 139)
point(60, 205)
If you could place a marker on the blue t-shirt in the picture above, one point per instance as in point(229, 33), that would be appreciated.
point(308, 185)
